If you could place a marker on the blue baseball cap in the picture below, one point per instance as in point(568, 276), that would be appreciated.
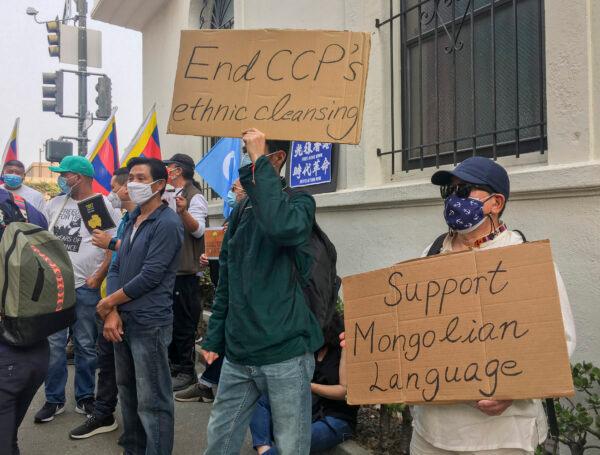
point(477, 170)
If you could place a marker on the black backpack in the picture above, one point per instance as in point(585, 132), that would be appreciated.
point(436, 248)
point(323, 284)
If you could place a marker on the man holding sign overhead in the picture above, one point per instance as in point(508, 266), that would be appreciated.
point(260, 321)
point(475, 194)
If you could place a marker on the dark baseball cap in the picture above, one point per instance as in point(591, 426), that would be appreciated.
point(181, 160)
point(477, 170)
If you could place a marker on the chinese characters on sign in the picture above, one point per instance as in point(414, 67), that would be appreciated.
point(310, 163)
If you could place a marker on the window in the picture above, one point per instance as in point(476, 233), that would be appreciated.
point(471, 79)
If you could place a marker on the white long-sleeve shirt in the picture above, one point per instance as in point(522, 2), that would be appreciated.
point(463, 427)
point(198, 208)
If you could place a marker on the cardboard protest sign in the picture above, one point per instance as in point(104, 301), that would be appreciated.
point(213, 239)
point(291, 84)
point(479, 324)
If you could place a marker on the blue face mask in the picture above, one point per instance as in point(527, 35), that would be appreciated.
point(464, 214)
point(231, 199)
point(63, 185)
point(245, 160)
point(12, 180)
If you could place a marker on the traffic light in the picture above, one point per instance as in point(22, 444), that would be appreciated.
point(53, 29)
point(57, 150)
point(104, 98)
point(52, 92)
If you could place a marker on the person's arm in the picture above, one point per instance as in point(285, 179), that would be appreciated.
point(333, 392)
point(95, 280)
point(286, 220)
point(194, 216)
point(165, 244)
point(214, 342)
point(567, 314)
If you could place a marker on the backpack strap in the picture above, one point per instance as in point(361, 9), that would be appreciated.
point(521, 234)
point(436, 246)
point(55, 218)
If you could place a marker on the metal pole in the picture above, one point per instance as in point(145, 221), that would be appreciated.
point(82, 57)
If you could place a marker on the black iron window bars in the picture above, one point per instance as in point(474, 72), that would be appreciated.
point(471, 80)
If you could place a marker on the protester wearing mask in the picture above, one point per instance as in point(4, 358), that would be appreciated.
point(475, 194)
point(138, 311)
point(191, 206)
point(102, 419)
point(90, 265)
point(235, 194)
point(260, 321)
point(13, 174)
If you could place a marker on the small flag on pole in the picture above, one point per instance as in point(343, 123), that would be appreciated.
point(219, 168)
point(145, 142)
point(11, 149)
point(104, 156)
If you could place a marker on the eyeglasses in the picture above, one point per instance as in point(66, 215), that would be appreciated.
point(462, 190)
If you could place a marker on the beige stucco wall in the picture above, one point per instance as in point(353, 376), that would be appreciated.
point(377, 218)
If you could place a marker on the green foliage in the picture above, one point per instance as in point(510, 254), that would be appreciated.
point(47, 188)
point(580, 418)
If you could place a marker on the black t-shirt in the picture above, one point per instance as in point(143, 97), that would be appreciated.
point(327, 372)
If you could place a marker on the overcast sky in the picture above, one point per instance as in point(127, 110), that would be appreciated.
point(23, 58)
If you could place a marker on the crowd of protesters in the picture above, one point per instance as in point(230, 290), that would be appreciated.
point(270, 366)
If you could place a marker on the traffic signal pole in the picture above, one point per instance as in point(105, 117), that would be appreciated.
point(82, 76)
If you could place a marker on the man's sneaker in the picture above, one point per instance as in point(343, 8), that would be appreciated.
point(48, 411)
point(198, 392)
point(183, 381)
point(85, 406)
point(93, 426)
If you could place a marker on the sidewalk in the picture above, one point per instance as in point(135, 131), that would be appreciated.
point(191, 420)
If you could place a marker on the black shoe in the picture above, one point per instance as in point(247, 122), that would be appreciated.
point(48, 411)
point(93, 426)
point(183, 381)
point(85, 406)
point(198, 392)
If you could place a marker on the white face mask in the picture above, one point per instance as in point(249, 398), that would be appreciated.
point(113, 198)
point(140, 193)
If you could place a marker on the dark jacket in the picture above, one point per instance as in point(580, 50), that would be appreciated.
point(145, 268)
point(260, 316)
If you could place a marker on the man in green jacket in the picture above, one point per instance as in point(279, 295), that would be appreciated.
point(260, 319)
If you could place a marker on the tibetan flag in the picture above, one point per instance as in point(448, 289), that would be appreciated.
point(104, 156)
point(10, 151)
point(145, 142)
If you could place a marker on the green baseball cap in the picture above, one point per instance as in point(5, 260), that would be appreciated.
point(76, 165)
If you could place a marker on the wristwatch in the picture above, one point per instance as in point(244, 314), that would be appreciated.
point(112, 245)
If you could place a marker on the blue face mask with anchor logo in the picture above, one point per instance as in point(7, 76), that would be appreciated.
point(464, 214)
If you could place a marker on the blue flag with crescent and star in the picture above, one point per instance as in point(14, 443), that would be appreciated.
point(220, 167)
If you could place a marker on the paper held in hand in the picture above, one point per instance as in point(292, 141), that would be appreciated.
point(465, 326)
point(213, 239)
point(304, 85)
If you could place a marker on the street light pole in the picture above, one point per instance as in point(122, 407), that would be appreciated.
point(82, 89)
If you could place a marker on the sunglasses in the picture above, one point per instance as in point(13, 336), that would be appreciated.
point(462, 190)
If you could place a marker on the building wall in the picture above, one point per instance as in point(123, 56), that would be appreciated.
point(377, 218)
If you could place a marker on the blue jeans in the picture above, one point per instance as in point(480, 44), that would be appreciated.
point(288, 386)
point(85, 334)
point(326, 433)
point(145, 389)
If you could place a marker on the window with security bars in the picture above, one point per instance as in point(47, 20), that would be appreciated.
point(214, 14)
point(471, 80)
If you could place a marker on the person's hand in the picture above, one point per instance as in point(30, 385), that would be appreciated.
point(101, 239)
point(493, 407)
point(255, 142)
point(225, 226)
point(104, 308)
point(209, 356)
point(113, 327)
point(93, 282)
point(203, 260)
point(343, 340)
point(181, 204)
